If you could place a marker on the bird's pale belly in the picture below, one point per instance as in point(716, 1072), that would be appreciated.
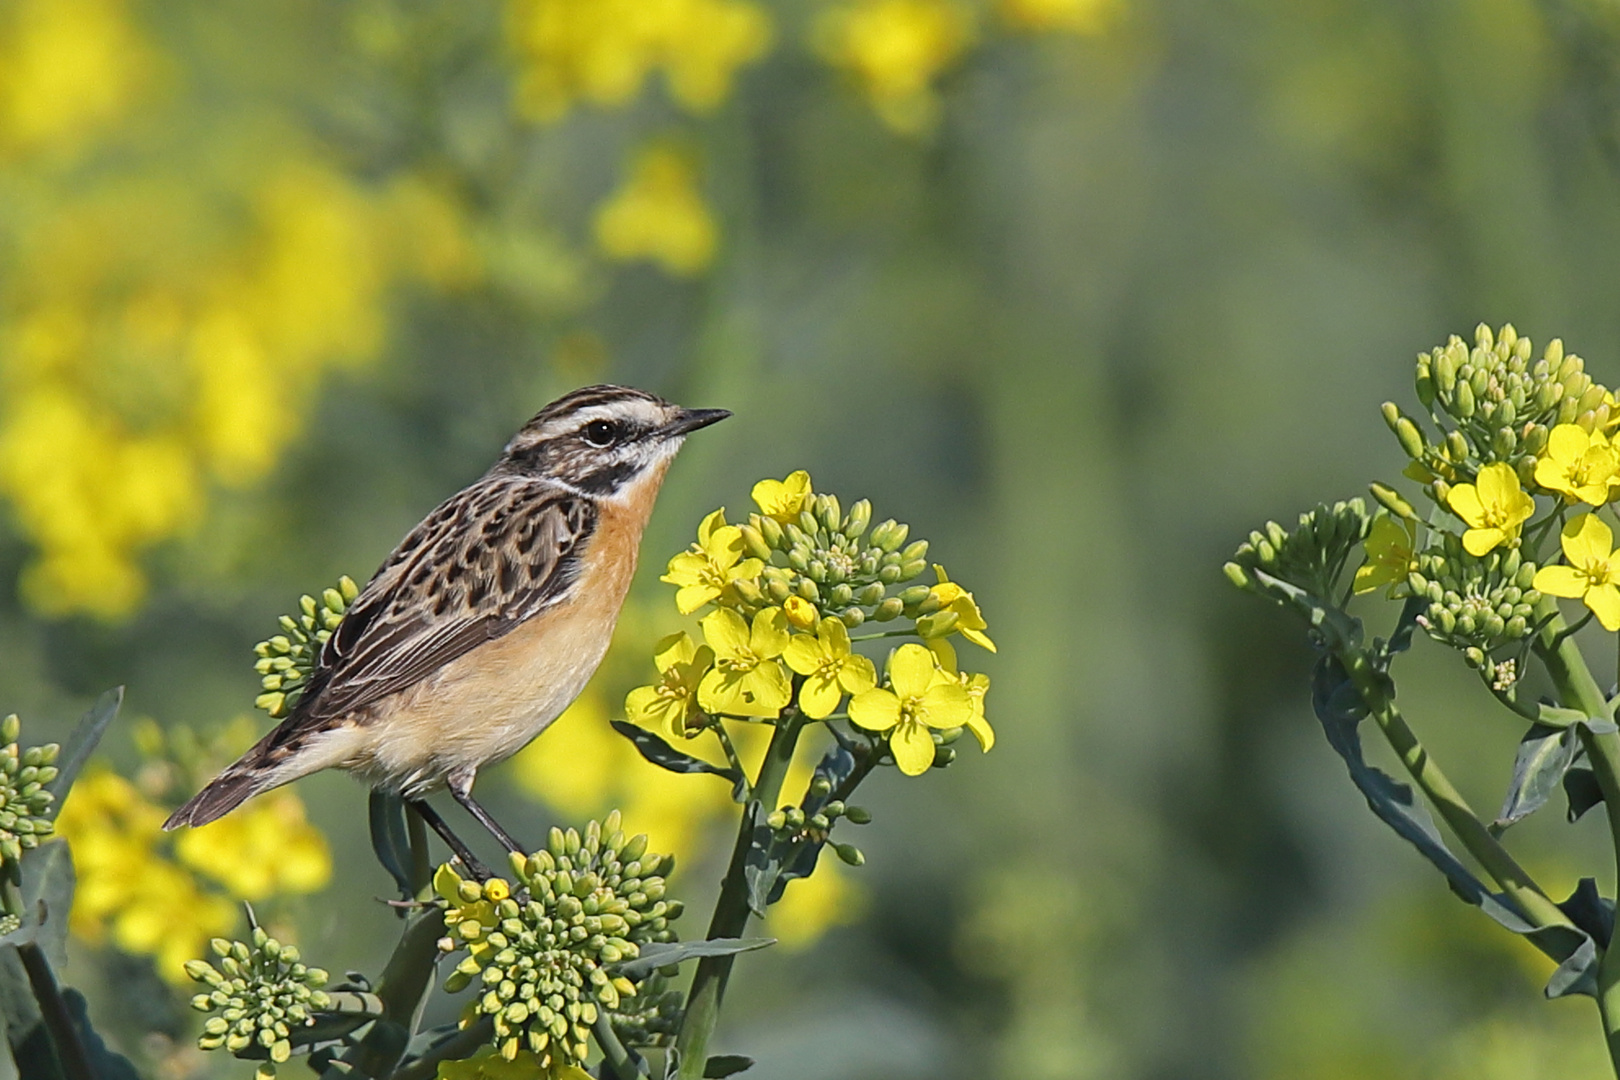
point(479, 709)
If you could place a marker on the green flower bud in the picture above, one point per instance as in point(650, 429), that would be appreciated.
point(850, 854)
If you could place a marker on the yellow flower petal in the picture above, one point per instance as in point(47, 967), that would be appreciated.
point(911, 670)
point(1497, 484)
point(678, 648)
point(800, 612)
point(1464, 500)
point(1479, 542)
point(1562, 581)
point(1586, 539)
point(819, 696)
point(945, 705)
point(769, 635)
point(726, 632)
point(783, 499)
point(913, 749)
point(1604, 600)
point(875, 710)
point(804, 654)
point(857, 675)
point(983, 732)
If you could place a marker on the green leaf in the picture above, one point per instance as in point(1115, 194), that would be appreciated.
point(660, 753)
point(47, 891)
point(763, 862)
point(1545, 755)
point(723, 1065)
point(663, 954)
point(1581, 789)
point(389, 839)
point(82, 743)
point(1395, 804)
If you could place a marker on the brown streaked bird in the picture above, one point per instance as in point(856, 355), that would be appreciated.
point(486, 621)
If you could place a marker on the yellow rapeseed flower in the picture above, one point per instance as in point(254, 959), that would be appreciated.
point(715, 561)
point(919, 696)
point(801, 613)
point(672, 701)
point(975, 684)
point(957, 600)
point(603, 51)
point(783, 499)
point(659, 215)
point(747, 679)
point(1592, 573)
point(896, 49)
point(1390, 552)
point(1578, 464)
point(1084, 17)
point(1494, 506)
point(831, 670)
point(265, 849)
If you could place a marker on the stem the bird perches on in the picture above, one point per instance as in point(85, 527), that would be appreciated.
point(731, 911)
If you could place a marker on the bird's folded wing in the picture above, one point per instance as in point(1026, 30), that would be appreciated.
point(485, 561)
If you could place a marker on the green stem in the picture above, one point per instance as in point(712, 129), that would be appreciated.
point(731, 912)
point(70, 1053)
point(618, 1063)
point(1446, 799)
point(1576, 686)
point(402, 989)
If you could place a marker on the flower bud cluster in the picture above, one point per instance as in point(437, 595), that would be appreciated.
point(24, 802)
point(544, 954)
point(828, 559)
point(1311, 556)
point(1493, 403)
point(1476, 603)
point(286, 660)
point(257, 994)
point(653, 1016)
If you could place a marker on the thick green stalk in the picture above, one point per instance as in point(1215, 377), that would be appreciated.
point(1446, 799)
point(1577, 688)
point(70, 1052)
point(731, 909)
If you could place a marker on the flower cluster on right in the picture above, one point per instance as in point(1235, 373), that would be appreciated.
point(784, 591)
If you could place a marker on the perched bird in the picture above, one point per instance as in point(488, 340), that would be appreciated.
point(486, 621)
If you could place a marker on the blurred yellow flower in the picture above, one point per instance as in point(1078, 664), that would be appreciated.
point(1578, 464)
point(831, 670)
point(783, 499)
point(603, 51)
point(919, 696)
point(1494, 506)
point(155, 345)
point(525, 1065)
point(747, 679)
point(264, 849)
point(68, 68)
point(896, 49)
point(659, 215)
point(702, 573)
point(1593, 573)
point(672, 701)
point(126, 887)
point(1083, 17)
point(1390, 549)
point(811, 906)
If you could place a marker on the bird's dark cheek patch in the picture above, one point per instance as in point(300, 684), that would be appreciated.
point(607, 480)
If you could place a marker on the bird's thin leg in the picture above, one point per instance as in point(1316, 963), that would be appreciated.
point(477, 869)
point(461, 791)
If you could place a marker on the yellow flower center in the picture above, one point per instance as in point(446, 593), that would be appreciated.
point(1596, 572)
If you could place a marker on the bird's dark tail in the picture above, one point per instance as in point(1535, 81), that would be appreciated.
point(223, 794)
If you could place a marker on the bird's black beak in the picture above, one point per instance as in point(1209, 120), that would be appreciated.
point(691, 419)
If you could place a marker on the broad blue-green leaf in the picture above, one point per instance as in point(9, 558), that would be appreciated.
point(660, 753)
point(663, 954)
point(390, 840)
point(47, 891)
point(1545, 755)
point(82, 743)
point(1581, 789)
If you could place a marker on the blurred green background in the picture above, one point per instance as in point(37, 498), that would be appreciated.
point(1082, 289)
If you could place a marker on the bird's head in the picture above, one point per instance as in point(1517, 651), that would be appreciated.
point(601, 440)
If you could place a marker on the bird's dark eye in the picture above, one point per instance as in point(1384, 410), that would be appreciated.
point(601, 432)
